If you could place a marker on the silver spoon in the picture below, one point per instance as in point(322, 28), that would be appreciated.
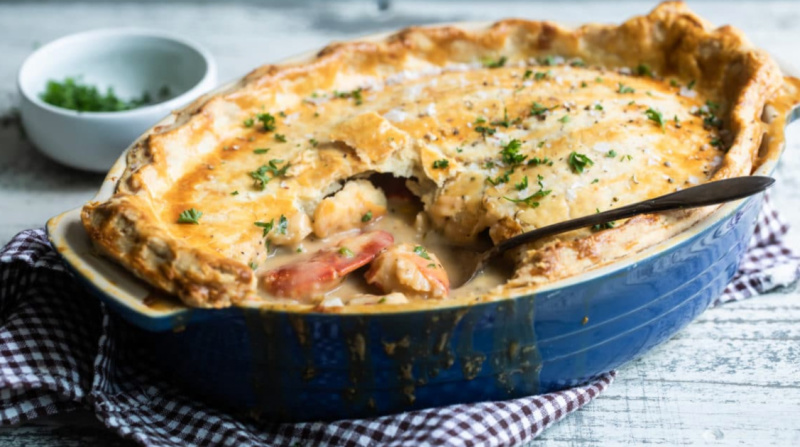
point(697, 196)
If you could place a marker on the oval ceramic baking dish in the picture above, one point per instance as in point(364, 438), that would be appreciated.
point(288, 366)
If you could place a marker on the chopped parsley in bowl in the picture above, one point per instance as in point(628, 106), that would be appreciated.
point(73, 94)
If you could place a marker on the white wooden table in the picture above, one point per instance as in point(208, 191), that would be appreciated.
point(732, 377)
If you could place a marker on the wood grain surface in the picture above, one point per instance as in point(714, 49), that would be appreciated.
point(730, 378)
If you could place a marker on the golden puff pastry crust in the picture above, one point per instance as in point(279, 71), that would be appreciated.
point(505, 128)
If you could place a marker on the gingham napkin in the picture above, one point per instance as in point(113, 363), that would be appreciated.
point(61, 350)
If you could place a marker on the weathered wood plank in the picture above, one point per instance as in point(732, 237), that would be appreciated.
point(76, 429)
point(731, 377)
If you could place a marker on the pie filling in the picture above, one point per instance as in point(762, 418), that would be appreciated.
point(436, 166)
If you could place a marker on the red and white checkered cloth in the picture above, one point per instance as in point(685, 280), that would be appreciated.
point(61, 350)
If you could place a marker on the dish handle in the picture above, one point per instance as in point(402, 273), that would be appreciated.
point(130, 297)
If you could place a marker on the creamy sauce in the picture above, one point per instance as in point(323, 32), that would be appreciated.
point(400, 221)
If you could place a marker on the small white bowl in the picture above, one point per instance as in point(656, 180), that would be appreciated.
point(132, 61)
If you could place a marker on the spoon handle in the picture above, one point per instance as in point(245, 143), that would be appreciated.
point(697, 196)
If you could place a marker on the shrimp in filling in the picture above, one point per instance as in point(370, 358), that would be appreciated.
point(370, 245)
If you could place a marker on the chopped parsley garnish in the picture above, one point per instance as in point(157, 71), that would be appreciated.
point(536, 161)
point(532, 200)
point(538, 109)
point(235, 193)
point(674, 83)
point(485, 130)
point(260, 174)
point(691, 84)
point(564, 119)
point(357, 97)
point(603, 226)
point(190, 216)
point(441, 164)
point(627, 157)
point(488, 63)
point(346, 252)
point(248, 122)
point(355, 94)
point(523, 184)
point(644, 70)
point(598, 79)
point(313, 142)
point(280, 137)
point(500, 179)
point(598, 107)
point(283, 224)
point(528, 74)
point(595, 180)
point(480, 120)
point(261, 150)
point(505, 121)
point(712, 105)
point(677, 122)
point(510, 153)
point(367, 217)
point(548, 60)
point(420, 251)
point(253, 265)
point(611, 153)
point(267, 121)
point(584, 84)
point(578, 62)
point(655, 116)
point(712, 121)
point(267, 226)
point(624, 89)
point(716, 142)
point(542, 75)
point(73, 94)
point(578, 162)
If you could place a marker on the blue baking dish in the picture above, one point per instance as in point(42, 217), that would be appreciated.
point(290, 366)
point(317, 366)
point(294, 367)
